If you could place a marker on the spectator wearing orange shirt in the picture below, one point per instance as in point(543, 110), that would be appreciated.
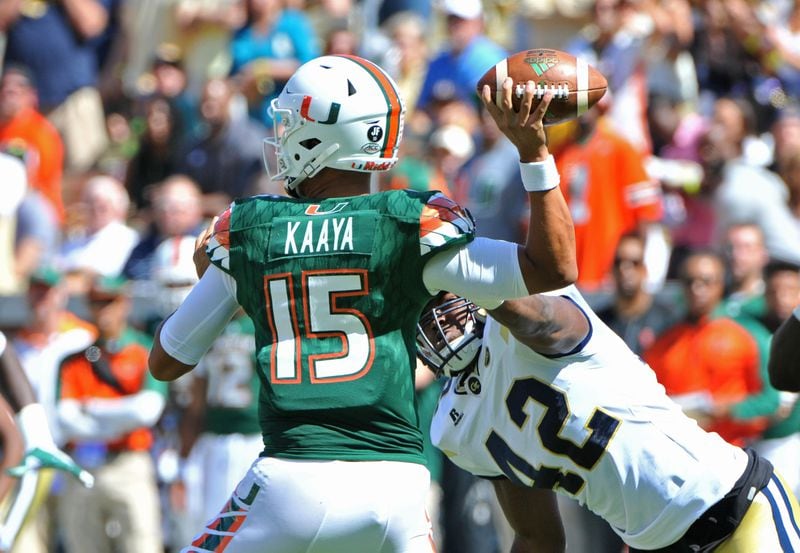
point(709, 365)
point(108, 402)
point(609, 194)
point(22, 126)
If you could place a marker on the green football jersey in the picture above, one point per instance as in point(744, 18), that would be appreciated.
point(334, 288)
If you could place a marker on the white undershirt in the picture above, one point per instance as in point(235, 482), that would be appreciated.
point(486, 271)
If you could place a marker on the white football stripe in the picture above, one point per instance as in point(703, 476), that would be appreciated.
point(500, 73)
point(582, 72)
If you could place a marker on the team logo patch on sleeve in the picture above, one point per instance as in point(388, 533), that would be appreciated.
point(442, 221)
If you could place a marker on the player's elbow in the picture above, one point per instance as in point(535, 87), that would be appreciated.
point(164, 367)
point(567, 273)
point(562, 274)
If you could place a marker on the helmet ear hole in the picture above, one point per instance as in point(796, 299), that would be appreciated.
point(310, 143)
point(297, 157)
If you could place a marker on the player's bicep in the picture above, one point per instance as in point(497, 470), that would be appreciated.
point(203, 315)
point(533, 514)
point(485, 271)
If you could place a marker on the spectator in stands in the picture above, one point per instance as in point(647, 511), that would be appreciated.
point(609, 194)
point(780, 442)
point(723, 65)
point(635, 314)
point(226, 161)
point(123, 143)
point(341, 41)
point(203, 30)
point(51, 334)
point(741, 191)
point(446, 151)
point(266, 51)
point(54, 40)
point(786, 138)
point(747, 257)
point(790, 172)
point(491, 189)
point(614, 44)
point(455, 71)
point(28, 131)
point(171, 84)
point(407, 57)
point(157, 157)
point(176, 211)
point(103, 244)
point(709, 365)
point(107, 403)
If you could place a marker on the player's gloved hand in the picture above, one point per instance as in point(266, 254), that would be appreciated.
point(51, 457)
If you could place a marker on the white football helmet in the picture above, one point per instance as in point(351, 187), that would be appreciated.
point(342, 112)
point(450, 335)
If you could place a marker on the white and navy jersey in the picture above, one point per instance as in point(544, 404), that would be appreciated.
point(594, 424)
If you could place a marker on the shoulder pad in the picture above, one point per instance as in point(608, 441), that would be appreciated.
point(443, 222)
point(219, 245)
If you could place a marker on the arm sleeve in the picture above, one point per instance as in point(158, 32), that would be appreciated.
point(485, 271)
point(190, 331)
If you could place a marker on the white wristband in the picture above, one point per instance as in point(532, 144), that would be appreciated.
point(540, 176)
point(796, 312)
point(32, 424)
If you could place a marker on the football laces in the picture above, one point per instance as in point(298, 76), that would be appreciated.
point(560, 91)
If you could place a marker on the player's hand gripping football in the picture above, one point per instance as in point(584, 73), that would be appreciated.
point(524, 128)
point(51, 457)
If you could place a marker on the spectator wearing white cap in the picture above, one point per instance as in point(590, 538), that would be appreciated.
point(454, 72)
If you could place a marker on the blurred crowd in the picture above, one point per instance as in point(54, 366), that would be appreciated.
point(126, 125)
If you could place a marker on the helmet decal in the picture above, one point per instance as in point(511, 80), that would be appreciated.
point(393, 119)
point(333, 113)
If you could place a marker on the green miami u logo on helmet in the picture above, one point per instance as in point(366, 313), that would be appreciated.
point(333, 113)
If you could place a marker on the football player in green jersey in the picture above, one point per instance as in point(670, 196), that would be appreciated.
point(334, 279)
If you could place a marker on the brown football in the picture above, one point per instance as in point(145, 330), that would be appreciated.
point(576, 85)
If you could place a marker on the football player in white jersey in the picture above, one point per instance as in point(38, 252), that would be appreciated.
point(543, 397)
point(41, 451)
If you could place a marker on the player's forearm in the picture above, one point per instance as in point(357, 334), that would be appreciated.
point(784, 358)
point(548, 260)
point(162, 365)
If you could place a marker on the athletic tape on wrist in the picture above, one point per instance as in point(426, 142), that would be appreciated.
point(540, 176)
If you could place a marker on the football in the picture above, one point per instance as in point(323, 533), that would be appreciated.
point(576, 85)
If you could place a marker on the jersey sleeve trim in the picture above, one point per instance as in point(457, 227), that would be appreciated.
point(582, 344)
point(443, 223)
point(219, 245)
